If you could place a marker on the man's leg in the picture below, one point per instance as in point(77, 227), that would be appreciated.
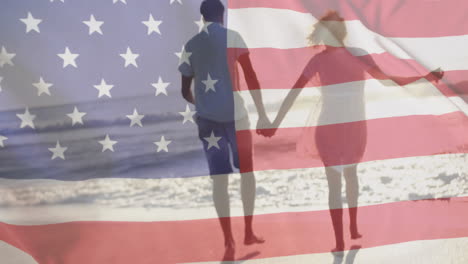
point(220, 167)
point(221, 202)
point(242, 155)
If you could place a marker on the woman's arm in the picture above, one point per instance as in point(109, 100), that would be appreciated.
point(378, 74)
point(290, 98)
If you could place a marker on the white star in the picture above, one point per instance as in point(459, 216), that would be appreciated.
point(58, 151)
point(42, 87)
point(160, 87)
point(68, 58)
point(2, 138)
point(153, 25)
point(205, 27)
point(210, 84)
point(1, 79)
point(178, 1)
point(202, 25)
point(130, 58)
point(26, 119)
point(188, 115)
point(212, 141)
point(76, 116)
point(162, 144)
point(135, 118)
point(107, 144)
point(31, 23)
point(104, 89)
point(5, 57)
point(123, 1)
point(94, 25)
point(184, 56)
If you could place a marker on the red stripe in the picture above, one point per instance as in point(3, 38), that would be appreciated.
point(387, 138)
point(455, 83)
point(270, 76)
point(201, 240)
point(392, 18)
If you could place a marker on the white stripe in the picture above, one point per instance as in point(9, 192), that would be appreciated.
point(382, 99)
point(286, 29)
point(14, 255)
point(32, 202)
point(438, 251)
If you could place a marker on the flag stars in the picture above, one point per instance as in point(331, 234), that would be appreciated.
point(162, 144)
point(107, 144)
point(76, 116)
point(42, 87)
point(200, 23)
point(31, 23)
point(188, 115)
point(184, 56)
point(135, 118)
point(26, 119)
point(94, 25)
point(58, 151)
point(203, 25)
point(104, 89)
point(212, 141)
point(160, 87)
point(153, 25)
point(68, 58)
point(5, 57)
point(209, 84)
point(2, 138)
point(130, 58)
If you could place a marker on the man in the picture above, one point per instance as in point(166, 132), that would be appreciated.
point(207, 61)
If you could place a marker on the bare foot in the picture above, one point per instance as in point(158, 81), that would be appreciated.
point(356, 236)
point(253, 239)
point(229, 252)
point(339, 248)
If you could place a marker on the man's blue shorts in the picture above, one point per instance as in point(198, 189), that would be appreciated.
point(219, 161)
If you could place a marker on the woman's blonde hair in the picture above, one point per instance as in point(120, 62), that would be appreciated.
point(321, 33)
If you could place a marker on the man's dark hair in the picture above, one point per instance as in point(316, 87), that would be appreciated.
point(212, 10)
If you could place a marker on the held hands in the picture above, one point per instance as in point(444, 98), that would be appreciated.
point(264, 126)
point(435, 75)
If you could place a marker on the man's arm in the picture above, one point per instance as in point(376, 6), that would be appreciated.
point(253, 84)
point(186, 91)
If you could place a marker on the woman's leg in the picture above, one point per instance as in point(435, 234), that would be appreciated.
point(335, 205)
point(352, 195)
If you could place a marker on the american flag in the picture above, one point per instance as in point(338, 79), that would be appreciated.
point(100, 161)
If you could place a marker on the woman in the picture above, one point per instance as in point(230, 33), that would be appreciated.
point(341, 134)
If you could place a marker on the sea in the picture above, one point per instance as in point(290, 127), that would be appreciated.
point(26, 152)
